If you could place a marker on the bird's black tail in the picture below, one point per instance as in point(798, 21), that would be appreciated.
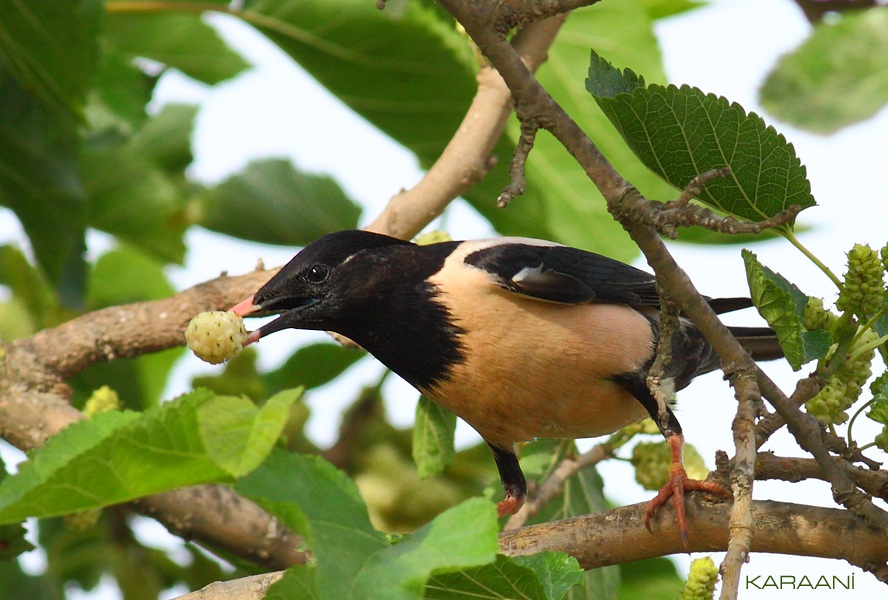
point(760, 342)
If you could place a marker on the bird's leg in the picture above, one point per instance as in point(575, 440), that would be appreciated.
point(514, 484)
point(677, 484)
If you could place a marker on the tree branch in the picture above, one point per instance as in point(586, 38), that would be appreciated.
point(467, 157)
point(741, 521)
point(34, 405)
point(617, 536)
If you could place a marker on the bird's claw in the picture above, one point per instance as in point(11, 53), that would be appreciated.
point(676, 486)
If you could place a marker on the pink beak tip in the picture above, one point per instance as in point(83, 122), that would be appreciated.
point(243, 308)
point(252, 337)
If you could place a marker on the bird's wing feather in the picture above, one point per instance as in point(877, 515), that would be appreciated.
point(563, 274)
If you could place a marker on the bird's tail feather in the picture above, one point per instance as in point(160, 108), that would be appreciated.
point(760, 342)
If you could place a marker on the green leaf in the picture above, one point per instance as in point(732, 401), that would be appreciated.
point(782, 305)
point(51, 49)
point(369, 59)
point(545, 576)
point(651, 579)
point(12, 536)
point(660, 9)
point(319, 502)
point(560, 202)
point(273, 203)
point(313, 366)
point(680, 133)
point(352, 559)
point(119, 94)
point(116, 457)
point(133, 199)
point(179, 40)
point(297, 582)
point(17, 584)
point(29, 288)
point(432, 438)
point(558, 572)
point(881, 325)
point(501, 580)
point(237, 435)
point(837, 77)
point(878, 412)
point(583, 493)
point(166, 138)
point(39, 179)
point(461, 537)
point(112, 283)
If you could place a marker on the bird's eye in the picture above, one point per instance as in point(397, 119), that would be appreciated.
point(317, 273)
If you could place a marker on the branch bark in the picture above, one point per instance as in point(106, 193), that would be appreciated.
point(618, 536)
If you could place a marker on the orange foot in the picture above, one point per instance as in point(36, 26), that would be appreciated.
point(676, 487)
point(509, 506)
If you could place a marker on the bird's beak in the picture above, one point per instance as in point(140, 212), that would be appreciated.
point(245, 308)
point(283, 306)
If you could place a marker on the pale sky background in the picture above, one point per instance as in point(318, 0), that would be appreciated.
point(726, 48)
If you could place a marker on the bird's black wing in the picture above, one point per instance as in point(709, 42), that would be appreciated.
point(564, 274)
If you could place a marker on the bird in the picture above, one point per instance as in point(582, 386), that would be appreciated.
point(521, 338)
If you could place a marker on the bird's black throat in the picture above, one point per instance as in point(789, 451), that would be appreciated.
point(393, 313)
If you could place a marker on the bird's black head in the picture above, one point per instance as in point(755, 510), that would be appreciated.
point(313, 289)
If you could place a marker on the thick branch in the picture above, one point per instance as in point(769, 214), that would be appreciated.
point(34, 406)
point(619, 536)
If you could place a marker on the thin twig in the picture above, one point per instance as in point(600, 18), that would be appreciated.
point(662, 387)
point(554, 485)
point(743, 475)
point(808, 434)
point(517, 183)
point(695, 187)
point(805, 389)
point(793, 469)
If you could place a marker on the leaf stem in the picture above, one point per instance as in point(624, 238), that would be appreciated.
point(853, 418)
point(790, 236)
point(866, 347)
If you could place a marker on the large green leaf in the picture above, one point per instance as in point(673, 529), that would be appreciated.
point(433, 432)
point(51, 49)
point(583, 493)
point(136, 187)
point(166, 139)
point(351, 559)
point(462, 537)
point(313, 366)
point(405, 69)
point(320, 503)
point(115, 456)
point(119, 94)
point(273, 203)
point(39, 178)
point(838, 76)
point(506, 579)
point(652, 579)
point(782, 305)
point(681, 133)
point(179, 40)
